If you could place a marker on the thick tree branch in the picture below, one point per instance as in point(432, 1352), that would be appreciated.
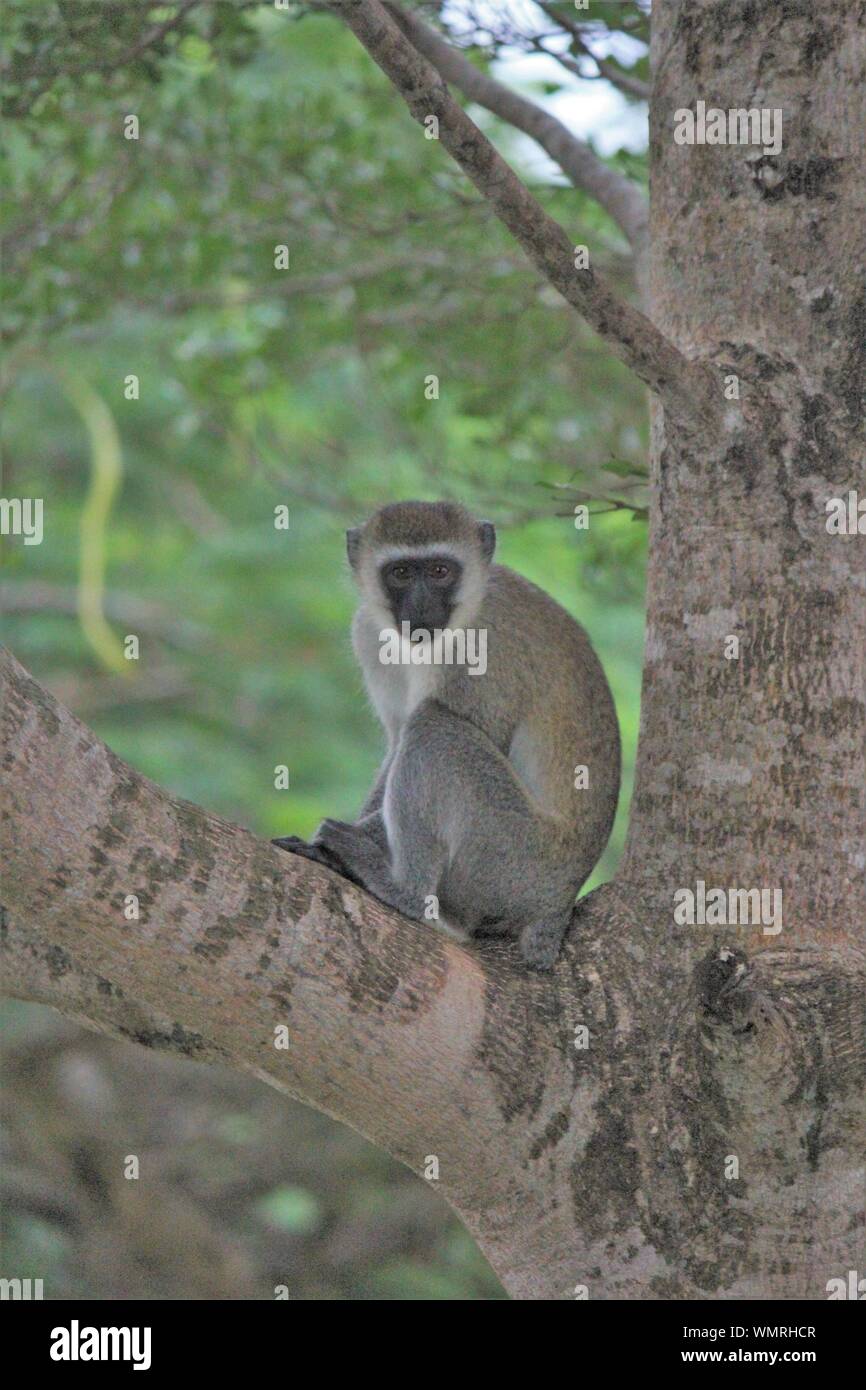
point(618, 195)
point(233, 937)
point(393, 1028)
point(688, 390)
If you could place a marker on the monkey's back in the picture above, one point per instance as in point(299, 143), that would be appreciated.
point(546, 704)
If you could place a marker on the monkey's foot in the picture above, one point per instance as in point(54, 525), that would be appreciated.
point(353, 846)
point(320, 854)
point(540, 942)
point(361, 856)
point(365, 857)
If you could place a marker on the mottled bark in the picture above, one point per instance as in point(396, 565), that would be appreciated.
point(753, 770)
point(608, 1164)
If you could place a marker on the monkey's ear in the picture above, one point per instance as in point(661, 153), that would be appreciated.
point(487, 538)
point(353, 545)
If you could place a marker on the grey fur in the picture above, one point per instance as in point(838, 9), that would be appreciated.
point(475, 802)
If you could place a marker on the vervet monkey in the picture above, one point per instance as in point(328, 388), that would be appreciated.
point(499, 786)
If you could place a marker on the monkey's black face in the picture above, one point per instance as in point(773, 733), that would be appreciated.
point(422, 591)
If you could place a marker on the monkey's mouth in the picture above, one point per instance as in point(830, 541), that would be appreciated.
point(421, 627)
point(418, 631)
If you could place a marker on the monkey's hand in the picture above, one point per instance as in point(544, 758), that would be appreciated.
point(320, 854)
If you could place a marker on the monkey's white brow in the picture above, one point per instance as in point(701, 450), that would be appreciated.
point(422, 552)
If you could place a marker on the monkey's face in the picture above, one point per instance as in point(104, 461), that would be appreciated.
point(421, 590)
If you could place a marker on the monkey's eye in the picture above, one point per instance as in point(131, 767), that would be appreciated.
point(440, 572)
point(400, 574)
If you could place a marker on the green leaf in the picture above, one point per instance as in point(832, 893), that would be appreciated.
point(291, 1209)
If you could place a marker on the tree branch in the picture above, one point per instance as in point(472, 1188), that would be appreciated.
point(320, 283)
point(140, 615)
point(688, 390)
point(393, 1028)
point(233, 939)
point(618, 195)
point(624, 81)
point(113, 64)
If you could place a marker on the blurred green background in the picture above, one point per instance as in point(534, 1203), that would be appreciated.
point(260, 388)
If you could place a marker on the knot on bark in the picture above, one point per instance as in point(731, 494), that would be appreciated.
point(723, 994)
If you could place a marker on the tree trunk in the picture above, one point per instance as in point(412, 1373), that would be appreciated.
point(677, 1111)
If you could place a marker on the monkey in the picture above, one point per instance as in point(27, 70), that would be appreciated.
point(499, 786)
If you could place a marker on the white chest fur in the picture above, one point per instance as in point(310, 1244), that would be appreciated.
point(398, 690)
point(396, 686)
